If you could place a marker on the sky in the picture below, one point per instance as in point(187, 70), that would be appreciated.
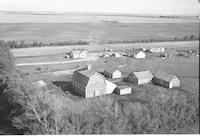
point(163, 7)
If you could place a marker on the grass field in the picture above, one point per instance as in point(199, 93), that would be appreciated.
point(95, 32)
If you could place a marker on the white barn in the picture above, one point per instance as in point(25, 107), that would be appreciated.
point(110, 87)
point(165, 79)
point(143, 77)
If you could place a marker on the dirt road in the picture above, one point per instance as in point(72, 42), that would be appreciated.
point(42, 51)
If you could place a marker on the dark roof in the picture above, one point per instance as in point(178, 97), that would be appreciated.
point(164, 76)
point(82, 77)
point(110, 69)
point(134, 52)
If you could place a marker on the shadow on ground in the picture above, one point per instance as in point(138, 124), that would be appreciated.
point(66, 87)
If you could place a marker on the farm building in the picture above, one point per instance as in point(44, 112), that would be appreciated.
point(143, 77)
point(41, 84)
point(110, 87)
point(136, 54)
point(105, 55)
point(78, 53)
point(166, 80)
point(157, 50)
point(112, 72)
point(116, 55)
point(121, 90)
point(88, 83)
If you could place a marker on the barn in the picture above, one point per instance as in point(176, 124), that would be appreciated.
point(142, 77)
point(165, 79)
point(112, 72)
point(136, 54)
point(88, 83)
point(110, 87)
point(78, 53)
point(122, 90)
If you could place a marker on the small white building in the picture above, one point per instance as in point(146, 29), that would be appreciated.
point(112, 72)
point(136, 54)
point(110, 87)
point(105, 55)
point(157, 50)
point(165, 79)
point(78, 53)
point(116, 55)
point(122, 90)
point(143, 77)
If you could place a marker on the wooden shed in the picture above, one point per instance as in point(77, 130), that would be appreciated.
point(112, 72)
point(166, 79)
point(142, 77)
point(89, 83)
point(122, 90)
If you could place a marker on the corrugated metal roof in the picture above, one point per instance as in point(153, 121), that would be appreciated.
point(164, 76)
point(143, 74)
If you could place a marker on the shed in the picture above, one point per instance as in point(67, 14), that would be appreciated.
point(136, 54)
point(121, 90)
point(88, 83)
point(166, 79)
point(112, 72)
point(157, 50)
point(78, 53)
point(116, 55)
point(110, 87)
point(142, 77)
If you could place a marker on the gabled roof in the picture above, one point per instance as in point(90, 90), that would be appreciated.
point(110, 69)
point(78, 51)
point(143, 74)
point(134, 52)
point(164, 76)
point(82, 77)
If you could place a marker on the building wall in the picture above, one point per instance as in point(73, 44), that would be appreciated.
point(96, 86)
point(144, 81)
point(117, 74)
point(82, 55)
point(161, 82)
point(78, 89)
point(132, 78)
point(175, 82)
point(140, 55)
point(125, 91)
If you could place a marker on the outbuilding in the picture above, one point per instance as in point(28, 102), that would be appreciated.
point(78, 53)
point(116, 55)
point(122, 90)
point(112, 72)
point(136, 54)
point(165, 79)
point(88, 83)
point(142, 77)
point(157, 50)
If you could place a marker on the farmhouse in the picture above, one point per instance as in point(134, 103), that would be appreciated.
point(124, 89)
point(88, 83)
point(136, 54)
point(166, 80)
point(157, 50)
point(143, 77)
point(78, 53)
point(112, 72)
point(110, 87)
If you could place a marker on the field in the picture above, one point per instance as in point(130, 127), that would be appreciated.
point(51, 64)
point(186, 69)
point(95, 32)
